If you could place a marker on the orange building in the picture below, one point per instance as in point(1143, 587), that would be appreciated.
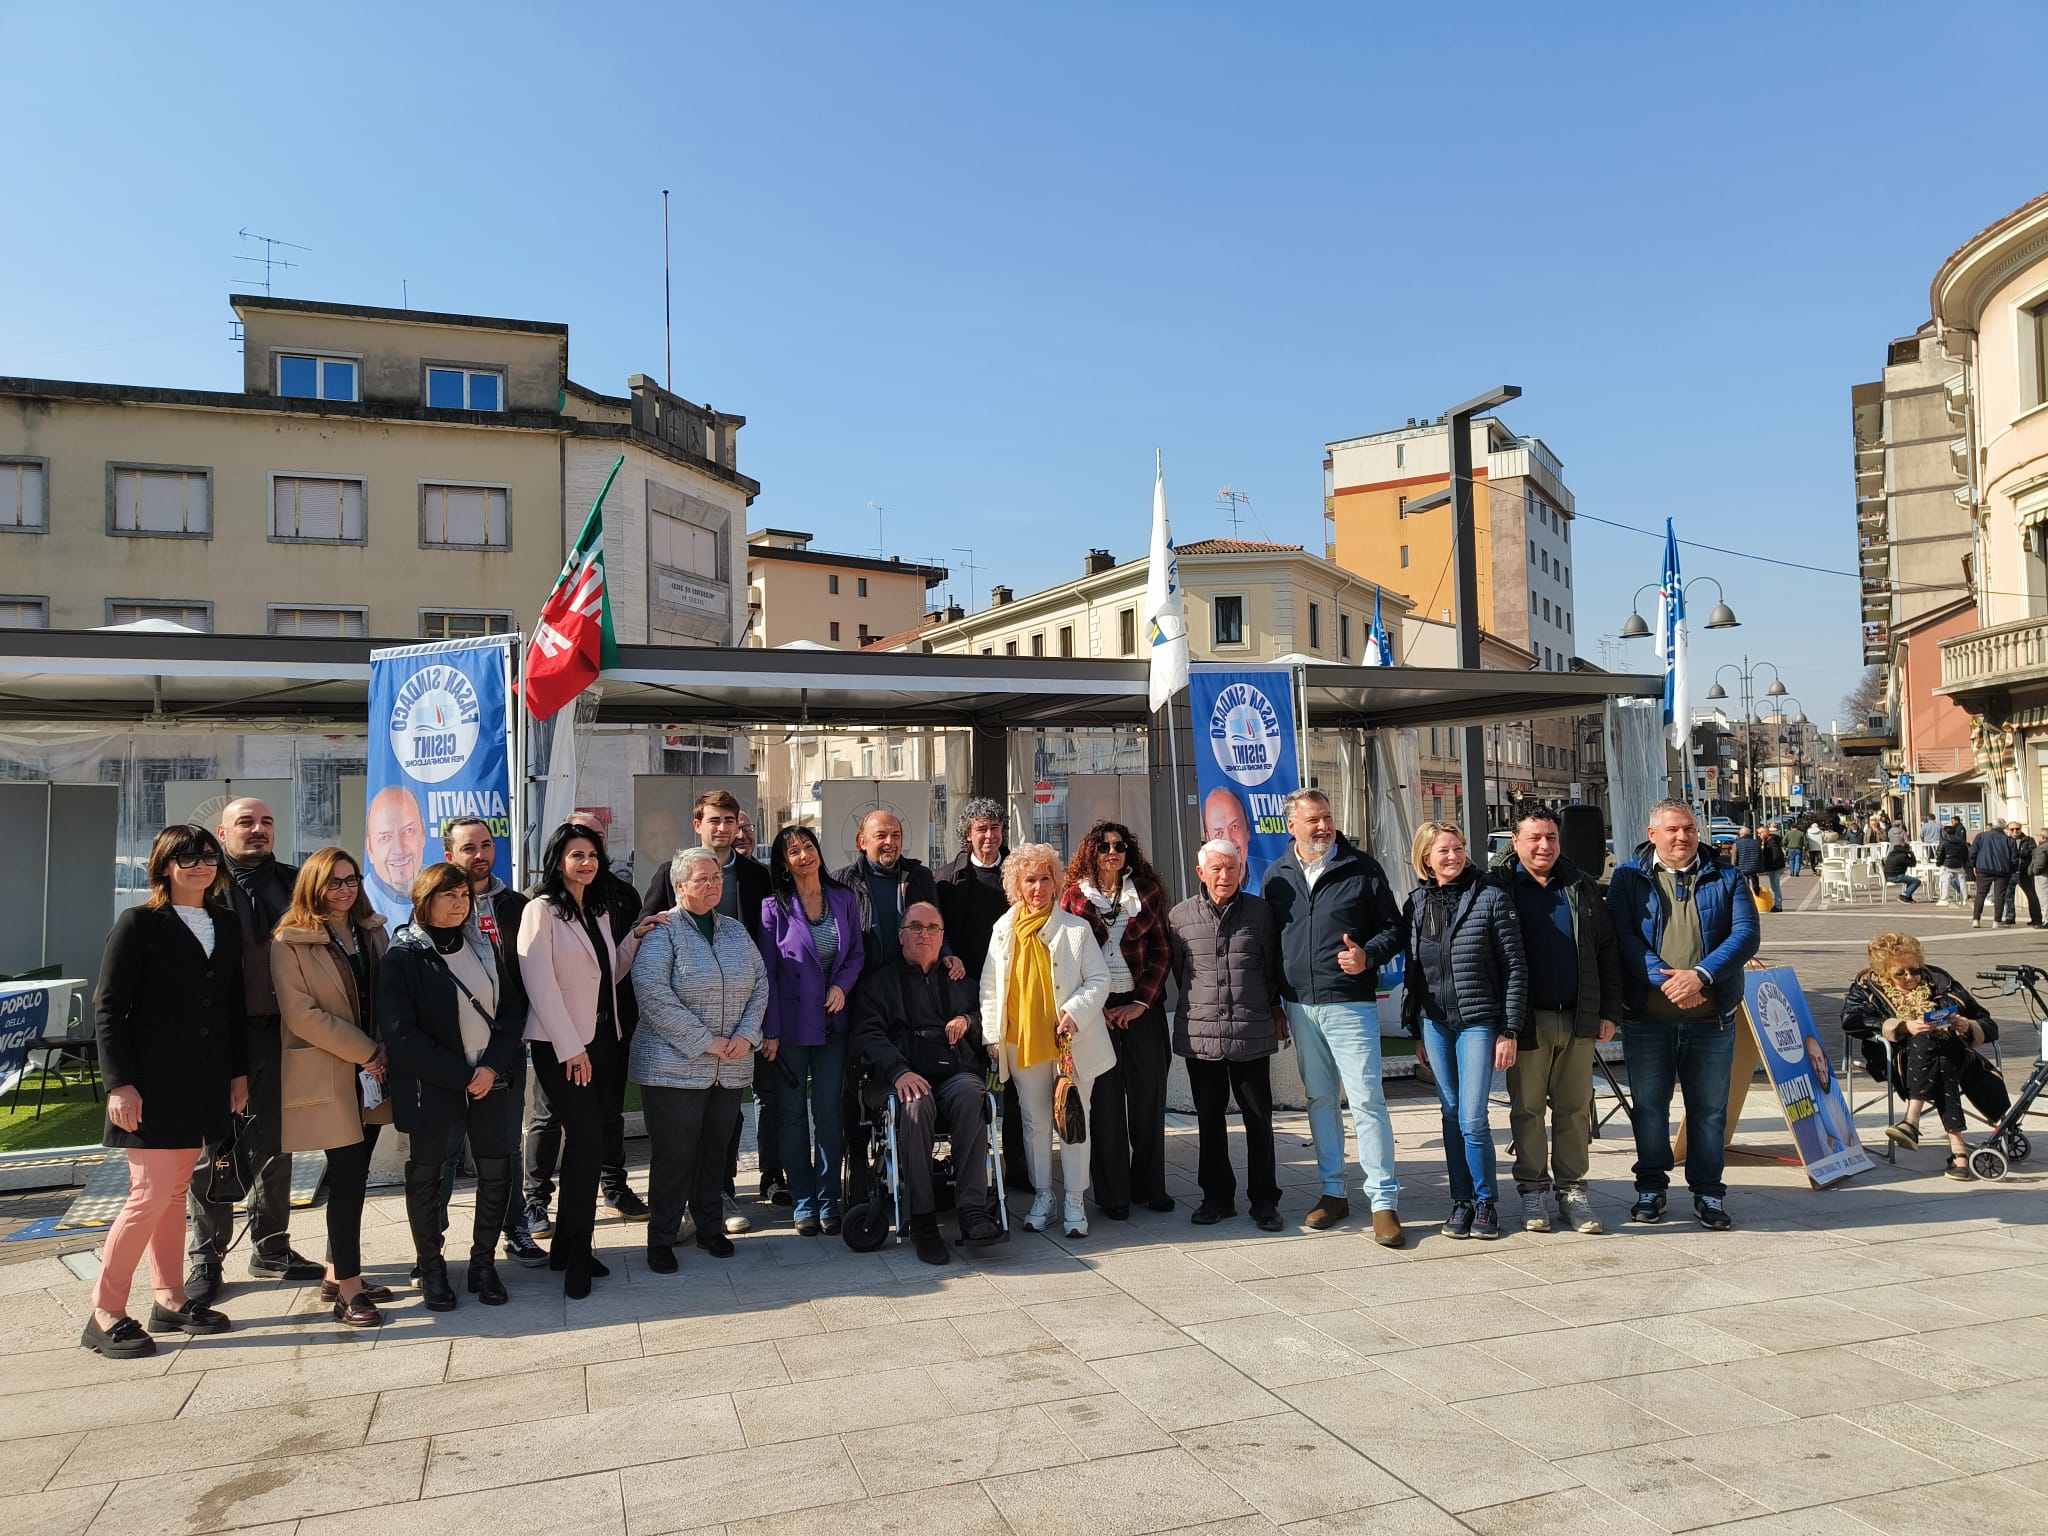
point(1524, 521)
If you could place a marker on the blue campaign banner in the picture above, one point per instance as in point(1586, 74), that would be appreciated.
point(440, 748)
point(24, 1010)
point(1815, 1101)
point(1246, 764)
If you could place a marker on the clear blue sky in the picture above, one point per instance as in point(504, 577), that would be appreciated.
point(976, 261)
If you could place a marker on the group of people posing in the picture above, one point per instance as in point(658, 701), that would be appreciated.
point(243, 984)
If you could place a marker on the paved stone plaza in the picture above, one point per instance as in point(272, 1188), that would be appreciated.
point(1873, 1357)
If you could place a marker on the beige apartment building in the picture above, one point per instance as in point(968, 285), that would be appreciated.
point(389, 473)
point(798, 595)
point(1245, 602)
point(1523, 514)
point(1990, 304)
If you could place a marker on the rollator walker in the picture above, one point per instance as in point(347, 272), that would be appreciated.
point(2007, 1144)
point(870, 1223)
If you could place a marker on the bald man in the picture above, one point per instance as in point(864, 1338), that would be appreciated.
point(1223, 820)
point(260, 890)
point(394, 840)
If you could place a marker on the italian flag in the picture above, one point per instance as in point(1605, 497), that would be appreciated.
point(572, 639)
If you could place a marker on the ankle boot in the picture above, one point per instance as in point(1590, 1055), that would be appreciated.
point(484, 1283)
point(435, 1290)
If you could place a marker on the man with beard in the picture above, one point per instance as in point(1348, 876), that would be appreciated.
point(394, 840)
point(495, 909)
point(261, 891)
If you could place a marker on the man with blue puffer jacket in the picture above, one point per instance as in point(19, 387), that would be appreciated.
point(1686, 926)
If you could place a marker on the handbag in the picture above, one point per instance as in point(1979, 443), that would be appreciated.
point(1069, 1114)
point(490, 1021)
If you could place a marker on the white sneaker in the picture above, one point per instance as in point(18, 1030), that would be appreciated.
point(1076, 1215)
point(735, 1221)
point(1039, 1217)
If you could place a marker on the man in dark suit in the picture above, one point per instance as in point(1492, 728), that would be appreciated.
point(716, 817)
point(261, 890)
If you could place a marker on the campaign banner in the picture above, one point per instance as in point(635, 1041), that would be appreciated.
point(24, 1011)
point(440, 748)
point(1246, 762)
point(1816, 1105)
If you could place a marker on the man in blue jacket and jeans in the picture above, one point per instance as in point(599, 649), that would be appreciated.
point(1686, 926)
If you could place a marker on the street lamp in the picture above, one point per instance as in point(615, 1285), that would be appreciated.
point(1720, 617)
point(1746, 678)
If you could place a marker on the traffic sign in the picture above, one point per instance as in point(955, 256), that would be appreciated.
point(1042, 792)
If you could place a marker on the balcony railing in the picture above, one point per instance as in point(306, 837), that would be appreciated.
point(1997, 657)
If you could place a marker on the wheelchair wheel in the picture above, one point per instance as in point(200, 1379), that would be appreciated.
point(2017, 1147)
point(866, 1226)
point(1988, 1163)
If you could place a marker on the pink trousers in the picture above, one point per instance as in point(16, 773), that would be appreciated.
point(152, 1221)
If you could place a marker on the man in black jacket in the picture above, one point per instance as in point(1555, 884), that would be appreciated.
point(1574, 1000)
point(1951, 858)
point(1339, 923)
point(716, 818)
point(1993, 859)
point(495, 910)
point(261, 890)
point(971, 895)
point(919, 1029)
point(2022, 882)
point(886, 883)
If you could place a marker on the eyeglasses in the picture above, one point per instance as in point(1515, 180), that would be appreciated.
point(1909, 970)
point(1113, 845)
point(345, 883)
point(924, 929)
point(193, 860)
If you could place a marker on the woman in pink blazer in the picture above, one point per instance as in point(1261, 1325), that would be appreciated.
point(572, 970)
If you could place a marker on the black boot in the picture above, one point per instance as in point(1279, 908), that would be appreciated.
point(484, 1283)
point(493, 1199)
point(927, 1240)
point(423, 1210)
point(435, 1290)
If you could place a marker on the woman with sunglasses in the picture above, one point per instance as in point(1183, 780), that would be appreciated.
point(324, 960)
point(1920, 1028)
point(1114, 891)
point(174, 1052)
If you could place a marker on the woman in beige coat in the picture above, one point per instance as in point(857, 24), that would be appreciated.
point(323, 959)
point(1043, 989)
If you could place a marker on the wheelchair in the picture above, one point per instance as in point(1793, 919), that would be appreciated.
point(870, 1223)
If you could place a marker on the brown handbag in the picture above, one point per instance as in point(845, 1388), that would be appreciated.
point(1069, 1114)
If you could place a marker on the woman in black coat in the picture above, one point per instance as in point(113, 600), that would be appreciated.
point(1465, 999)
point(452, 1024)
point(174, 1052)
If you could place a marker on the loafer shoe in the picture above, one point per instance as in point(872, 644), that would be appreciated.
point(378, 1294)
point(193, 1320)
point(124, 1341)
point(1208, 1213)
point(358, 1312)
point(1266, 1218)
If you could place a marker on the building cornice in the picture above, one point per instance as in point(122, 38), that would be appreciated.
point(1985, 263)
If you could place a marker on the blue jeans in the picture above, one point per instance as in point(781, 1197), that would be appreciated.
point(1338, 1048)
point(813, 1124)
point(1792, 856)
point(1911, 886)
point(1462, 1062)
point(1696, 1059)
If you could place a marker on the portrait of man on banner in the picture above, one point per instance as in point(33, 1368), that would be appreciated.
point(1246, 760)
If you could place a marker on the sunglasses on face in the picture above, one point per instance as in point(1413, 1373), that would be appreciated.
point(194, 860)
point(1112, 845)
point(1909, 970)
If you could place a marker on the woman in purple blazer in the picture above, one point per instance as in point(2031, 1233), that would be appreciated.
point(810, 942)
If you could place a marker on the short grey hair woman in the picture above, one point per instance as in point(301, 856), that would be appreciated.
point(703, 993)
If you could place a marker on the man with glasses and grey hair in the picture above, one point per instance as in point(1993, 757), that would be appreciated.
point(1339, 923)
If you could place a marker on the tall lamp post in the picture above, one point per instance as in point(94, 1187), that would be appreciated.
point(1721, 616)
point(1746, 676)
point(1465, 546)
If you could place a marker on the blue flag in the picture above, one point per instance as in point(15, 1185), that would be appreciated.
point(1379, 649)
point(1671, 644)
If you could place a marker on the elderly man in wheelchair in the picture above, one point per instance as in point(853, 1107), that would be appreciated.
point(917, 1033)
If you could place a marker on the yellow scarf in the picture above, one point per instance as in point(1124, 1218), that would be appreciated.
point(1029, 1007)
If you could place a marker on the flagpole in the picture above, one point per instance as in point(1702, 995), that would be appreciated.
point(516, 698)
point(1179, 802)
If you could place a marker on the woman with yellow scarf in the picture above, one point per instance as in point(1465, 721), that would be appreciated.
point(1042, 993)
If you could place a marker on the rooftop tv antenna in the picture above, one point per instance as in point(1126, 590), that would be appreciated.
point(878, 509)
point(270, 261)
point(1231, 500)
point(971, 569)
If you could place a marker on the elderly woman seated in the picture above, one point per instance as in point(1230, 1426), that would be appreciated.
point(1932, 1025)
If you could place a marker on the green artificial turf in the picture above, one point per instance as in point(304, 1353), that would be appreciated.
point(71, 1117)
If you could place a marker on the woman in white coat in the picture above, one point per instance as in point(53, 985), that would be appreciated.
point(1043, 989)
